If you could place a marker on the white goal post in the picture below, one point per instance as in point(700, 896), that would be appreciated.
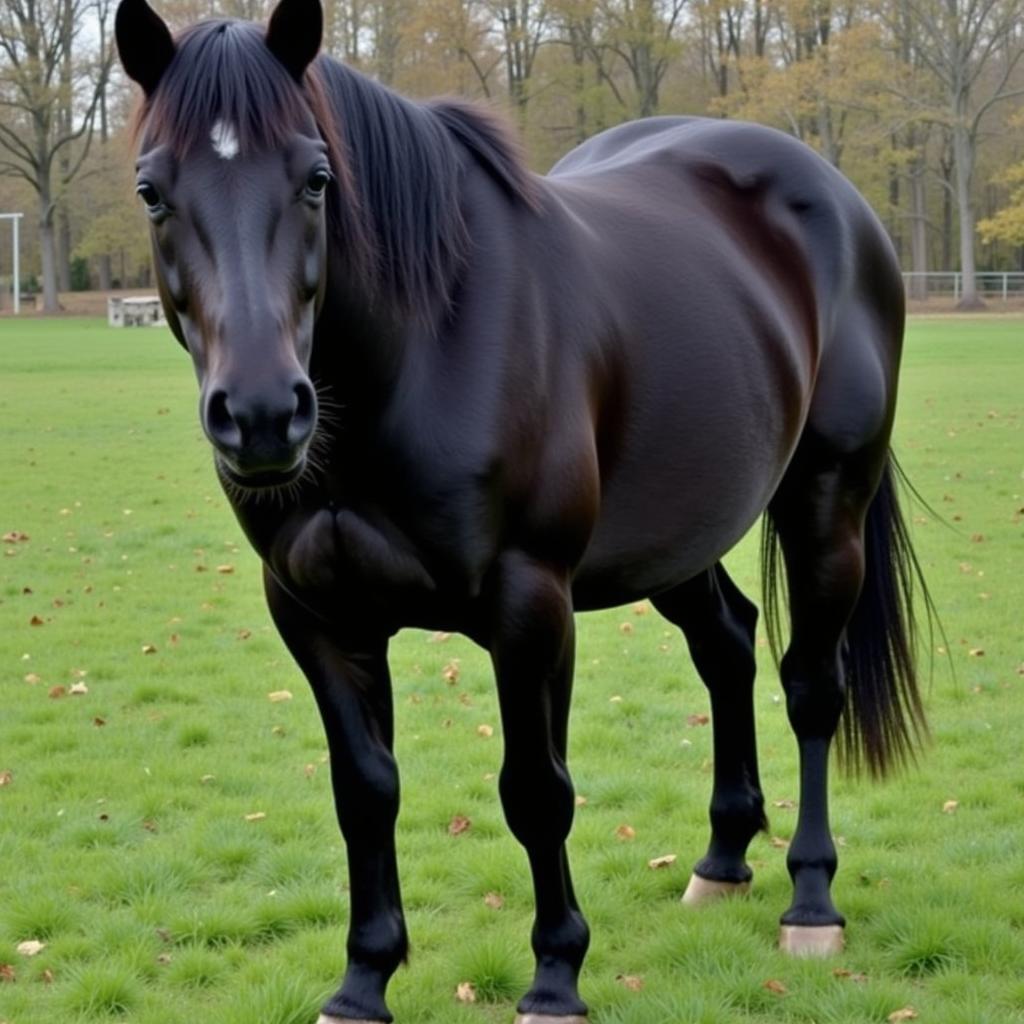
point(15, 219)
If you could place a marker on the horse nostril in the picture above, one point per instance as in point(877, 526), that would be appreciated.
point(220, 424)
point(304, 417)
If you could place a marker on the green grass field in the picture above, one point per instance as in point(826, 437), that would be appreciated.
point(168, 832)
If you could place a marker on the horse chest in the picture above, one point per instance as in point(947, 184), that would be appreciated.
point(361, 568)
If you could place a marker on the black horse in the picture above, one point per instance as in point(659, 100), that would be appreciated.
point(543, 395)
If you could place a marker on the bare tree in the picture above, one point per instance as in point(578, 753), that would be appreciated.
point(972, 48)
point(643, 34)
point(36, 37)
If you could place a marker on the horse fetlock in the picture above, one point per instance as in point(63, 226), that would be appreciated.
point(554, 991)
point(564, 943)
point(738, 815)
point(804, 862)
point(379, 946)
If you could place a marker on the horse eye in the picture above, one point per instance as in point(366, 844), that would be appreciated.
point(148, 194)
point(318, 180)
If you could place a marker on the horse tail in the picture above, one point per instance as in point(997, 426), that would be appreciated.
point(883, 720)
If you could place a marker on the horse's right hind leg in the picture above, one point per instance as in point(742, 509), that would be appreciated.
point(718, 623)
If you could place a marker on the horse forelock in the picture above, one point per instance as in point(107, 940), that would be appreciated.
point(223, 77)
point(225, 89)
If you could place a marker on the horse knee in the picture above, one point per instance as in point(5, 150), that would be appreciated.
point(366, 792)
point(538, 800)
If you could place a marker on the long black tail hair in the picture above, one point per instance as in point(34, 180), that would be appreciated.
point(884, 722)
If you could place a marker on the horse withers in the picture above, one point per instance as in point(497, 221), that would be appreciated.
point(444, 392)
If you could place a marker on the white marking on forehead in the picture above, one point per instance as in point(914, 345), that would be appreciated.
point(225, 140)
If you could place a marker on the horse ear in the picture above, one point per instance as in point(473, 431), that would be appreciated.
point(144, 43)
point(294, 34)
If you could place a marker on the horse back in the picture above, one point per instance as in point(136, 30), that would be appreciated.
point(740, 291)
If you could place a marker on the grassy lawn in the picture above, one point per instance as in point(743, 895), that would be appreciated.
point(168, 832)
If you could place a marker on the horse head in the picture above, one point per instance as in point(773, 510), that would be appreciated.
point(234, 175)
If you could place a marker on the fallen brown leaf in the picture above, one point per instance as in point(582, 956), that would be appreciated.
point(631, 981)
point(450, 673)
point(256, 816)
point(494, 900)
point(626, 628)
point(78, 689)
point(32, 679)
point(625, 832)
point(779, 843)
point(15, 537)
point(56, 692)
point(976, 652)
point(148, 649)
point(666, 860)
point(907, 1013)
point(30, 947)
point(693, 720)
point(459, 824)
point(950, 806)
point(46, 977)
point(439, 637)
point(786, 805)
point(7, 973)
point(35, 621)
point(581, 801)
point(775, 986)
point(465, 992)
point(487, 731)
point(6, 777)
point(97, 721)
point(225, 570)
point(279, 696)
point(842, 972)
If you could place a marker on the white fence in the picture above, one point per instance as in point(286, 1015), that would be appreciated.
point(949, 284)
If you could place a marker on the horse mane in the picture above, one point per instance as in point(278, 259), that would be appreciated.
point(394, 210)
point(406, 164)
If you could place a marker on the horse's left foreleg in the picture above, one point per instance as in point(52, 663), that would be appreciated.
point(532, 647)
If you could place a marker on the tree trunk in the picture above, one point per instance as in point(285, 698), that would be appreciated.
point(63, 249)
point(918, 230)
point(48, 253)
point(963, 157)
point(105, 272)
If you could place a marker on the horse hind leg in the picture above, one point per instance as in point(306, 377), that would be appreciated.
point(718, 623)
point(819, 513)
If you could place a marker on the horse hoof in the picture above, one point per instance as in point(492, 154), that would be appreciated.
point(547, 1018)
point(324, 1019)
point(705, 890)
point(820, 941)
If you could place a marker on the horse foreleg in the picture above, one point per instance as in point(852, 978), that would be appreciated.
point(718, 623)
point(532, 647)
point(353, 693)
point(820, 517)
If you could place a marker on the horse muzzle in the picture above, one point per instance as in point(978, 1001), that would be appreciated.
point(261, 437)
